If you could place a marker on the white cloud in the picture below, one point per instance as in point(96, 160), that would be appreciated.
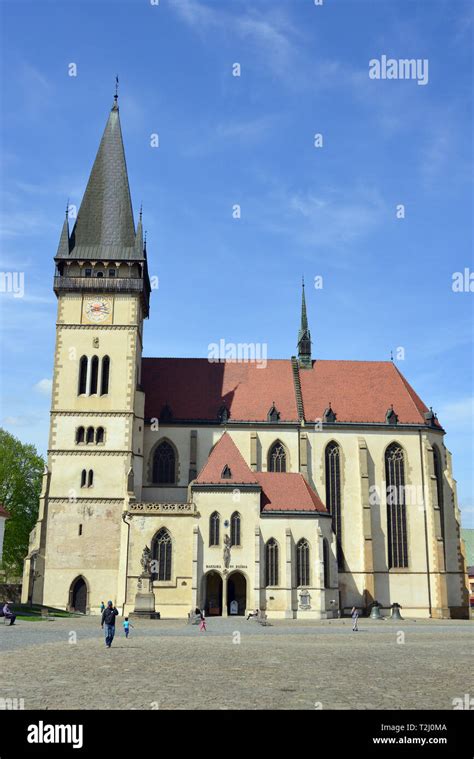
point(271, 33)
point(458, 413)
point(245, 131)
point(196, 14)
point(331, 219)
point(16, 421)
point(19, 224)
point(44, 386)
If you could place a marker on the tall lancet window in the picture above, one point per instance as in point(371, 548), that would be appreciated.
point(82, 386)
point(94, 374)
point(333, 495)
point(162, 554)
point(326, 564)
point(277, 458)
point(214, 529)
point(235, 529)
point(164, 464)
point(302, 562)
point(438, 471)
point(396, 507)
point(104, 382)
point(271, 562)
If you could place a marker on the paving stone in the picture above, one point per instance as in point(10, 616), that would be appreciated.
point(291, 664)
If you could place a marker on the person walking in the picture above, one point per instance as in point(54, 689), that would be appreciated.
point(202, 625)
point(126, 626)
point(108, 619)
point(102, 607)
point(8, 614)
point(355, 619)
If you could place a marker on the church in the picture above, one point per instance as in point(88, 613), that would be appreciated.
point(299, 487)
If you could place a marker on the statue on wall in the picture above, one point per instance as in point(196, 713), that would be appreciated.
point(146, 560)
point(226, 551)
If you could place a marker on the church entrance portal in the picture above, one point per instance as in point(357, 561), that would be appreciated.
point(213, 605)
point(236, 594)
point(78, 596)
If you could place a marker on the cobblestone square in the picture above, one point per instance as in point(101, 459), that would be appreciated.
point(237, 664)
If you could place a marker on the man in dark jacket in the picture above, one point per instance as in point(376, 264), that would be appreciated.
point(108, 619)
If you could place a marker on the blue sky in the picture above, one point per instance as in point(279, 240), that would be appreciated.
point(249, 140)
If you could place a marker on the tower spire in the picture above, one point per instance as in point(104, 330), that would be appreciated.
point(304, 335)
point(104, 224)
point(63, 247)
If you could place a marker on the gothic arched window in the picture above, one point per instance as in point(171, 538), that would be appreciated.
point(396, 508)
point(235, 529)
point(80, 435)
point(326, 565)
point(214, 529)
point(164, 464)
point(94, 374)
point(90, 435)
point(83, 478)
point(271, 562)
point(438, 472)
point(82, 386)
point(302, 562)
point(90, 478)
point(104, 383)
point(161, 554)
point(99, 435)
point(333, 495)
point(277, 458)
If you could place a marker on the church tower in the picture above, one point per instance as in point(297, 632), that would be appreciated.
point(96, 431)
point(304, 337)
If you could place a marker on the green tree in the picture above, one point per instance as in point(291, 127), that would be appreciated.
point(21, 468)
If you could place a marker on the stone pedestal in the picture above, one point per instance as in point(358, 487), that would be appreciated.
point(145, 599)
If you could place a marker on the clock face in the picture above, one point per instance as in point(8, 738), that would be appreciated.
point(98, 309)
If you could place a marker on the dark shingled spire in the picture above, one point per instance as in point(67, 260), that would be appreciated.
point(63, 247)
point(139, 244)
point(104, 227)
point(304, 337)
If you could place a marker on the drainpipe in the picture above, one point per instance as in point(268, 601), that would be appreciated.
point(426, 523)
point(124, 517)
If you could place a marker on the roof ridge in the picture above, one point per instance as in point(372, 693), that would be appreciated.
point(297, 387)
point(414, 397)
point(239, 460)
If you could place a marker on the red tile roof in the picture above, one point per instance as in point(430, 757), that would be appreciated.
point(194, 388)
point(279, 491)
point(226, 453)
point(359, 391)
point(287, 492)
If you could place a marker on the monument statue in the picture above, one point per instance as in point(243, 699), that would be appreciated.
point(226, 551)
point(146, 560)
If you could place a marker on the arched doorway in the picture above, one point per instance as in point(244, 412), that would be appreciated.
point(78, 595)
point(236, 594)
point(213, 594)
